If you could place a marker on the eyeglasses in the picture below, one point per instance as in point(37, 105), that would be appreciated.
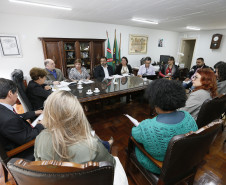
point(195, 77)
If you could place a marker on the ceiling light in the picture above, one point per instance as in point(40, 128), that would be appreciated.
point(192, 28)
point(144, 21)
point(40, 4)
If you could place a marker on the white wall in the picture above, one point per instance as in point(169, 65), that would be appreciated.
point(29, 29)
point(202, 47)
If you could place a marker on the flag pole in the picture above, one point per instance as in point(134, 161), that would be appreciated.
point(120, 49)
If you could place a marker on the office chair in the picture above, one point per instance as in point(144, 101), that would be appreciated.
point(18, 77)
point(183, 156)
point(61, 173)
point(211, 110)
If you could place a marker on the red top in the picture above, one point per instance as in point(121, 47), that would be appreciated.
point(168, 70)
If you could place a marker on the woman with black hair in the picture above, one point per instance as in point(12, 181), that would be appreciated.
point(221, 77)
point(124, 67)
point(170, 70)
point(166, 96)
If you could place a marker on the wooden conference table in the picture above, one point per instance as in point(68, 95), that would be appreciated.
point(109, 88)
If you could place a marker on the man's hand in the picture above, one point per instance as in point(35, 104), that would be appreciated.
point(56, 83)
point(47, 87)
point(187, 79)
point(39, 122)
point(38, 112)
point(139, 75)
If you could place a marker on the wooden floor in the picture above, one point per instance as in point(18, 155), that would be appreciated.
point(112, 122)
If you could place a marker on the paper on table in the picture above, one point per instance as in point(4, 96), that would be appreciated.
point(63, 84)
point(117, 76)
point(125, 75)
point(34, 123)
point(65, 88)
point(87, 82)
point(134, 121)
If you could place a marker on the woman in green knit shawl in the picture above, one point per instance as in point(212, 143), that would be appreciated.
point(166, 96)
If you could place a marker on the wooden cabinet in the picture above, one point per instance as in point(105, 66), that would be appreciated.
point(65, 51)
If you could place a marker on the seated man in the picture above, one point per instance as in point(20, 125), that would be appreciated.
point(104, 70)
point(199, 65)
point(14, 129)
point(146, 69)
point(54, 75)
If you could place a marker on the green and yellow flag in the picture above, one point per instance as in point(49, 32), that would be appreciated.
point(115, 53)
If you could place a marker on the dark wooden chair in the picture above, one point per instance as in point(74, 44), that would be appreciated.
point(211, 110)
point(61, 173)
point(6, 156)
point(183, 156)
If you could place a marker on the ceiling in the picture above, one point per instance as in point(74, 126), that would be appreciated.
point(172, 15)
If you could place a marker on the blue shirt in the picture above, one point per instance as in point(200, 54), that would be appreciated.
point(53, 73)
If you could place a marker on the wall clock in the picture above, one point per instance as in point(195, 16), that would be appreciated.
point(216, 41)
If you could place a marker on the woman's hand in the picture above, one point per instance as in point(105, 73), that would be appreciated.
point(47, 87)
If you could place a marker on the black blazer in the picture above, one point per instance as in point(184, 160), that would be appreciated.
point(15, 130)
point(194, 69)
point(37, 94)
point(119, 68)
point(99, 71)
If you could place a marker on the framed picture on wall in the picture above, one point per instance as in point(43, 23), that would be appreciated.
point(138, 44)
point(160, 43)
point(10, 46)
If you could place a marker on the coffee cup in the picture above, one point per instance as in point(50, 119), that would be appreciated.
point(80, 86)
point(89, 91)
point(145, 79)
point(96, 89)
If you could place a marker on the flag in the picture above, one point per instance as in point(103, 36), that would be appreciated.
point(115, 53)
point(119, 51)
point(109, 54)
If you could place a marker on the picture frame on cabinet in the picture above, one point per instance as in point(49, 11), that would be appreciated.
point(10, 46)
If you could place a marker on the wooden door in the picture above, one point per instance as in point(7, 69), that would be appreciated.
point(97, 51)
point(53, 50)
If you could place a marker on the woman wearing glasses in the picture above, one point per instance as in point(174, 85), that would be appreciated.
point(205, 85)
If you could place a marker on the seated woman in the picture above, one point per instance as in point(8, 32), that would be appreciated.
point(170, 70)
point(37, 91)
point(205, 84)
point(78, 72)
point(166, 96)
point(221, 77)
point(124, 67)
point(68, 136)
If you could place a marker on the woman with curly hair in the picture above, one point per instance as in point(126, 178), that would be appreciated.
point(205, 84)
point(166, 96)
point(221, 77)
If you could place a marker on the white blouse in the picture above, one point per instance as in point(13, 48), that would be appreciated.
point(124, 70)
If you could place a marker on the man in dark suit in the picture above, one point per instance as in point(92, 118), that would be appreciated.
point(14, 129)
point(199, 65)
point(103, 70)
